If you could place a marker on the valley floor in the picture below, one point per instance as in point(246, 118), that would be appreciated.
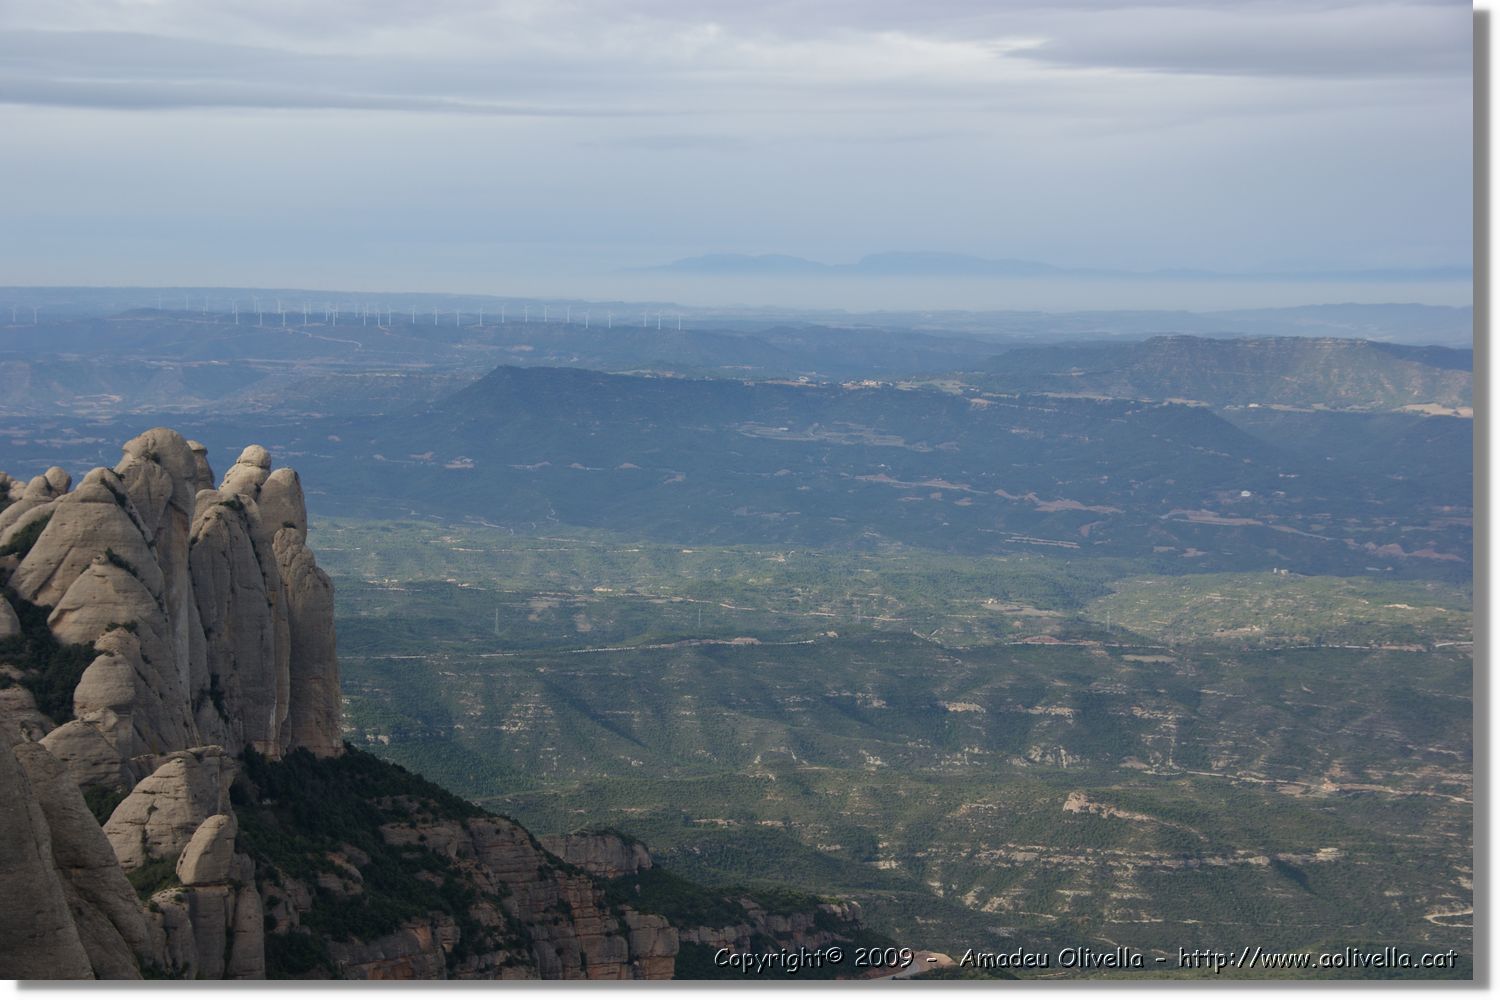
point(984, 753)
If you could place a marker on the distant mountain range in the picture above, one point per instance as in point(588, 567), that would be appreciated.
point(957, 265)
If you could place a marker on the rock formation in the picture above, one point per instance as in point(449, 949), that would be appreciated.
point(180, 623)
point(179, 801)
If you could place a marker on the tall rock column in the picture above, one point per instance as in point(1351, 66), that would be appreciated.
point(159, 472)
point(240, 604)
point(313, 719)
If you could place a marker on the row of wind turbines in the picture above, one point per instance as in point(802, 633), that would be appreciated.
point(384, 315)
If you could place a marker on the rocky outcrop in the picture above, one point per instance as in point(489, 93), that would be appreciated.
point(815, 927)
point(313, 717)
point(162, 813)
point(212, 622)
point(521, 913)
point(190, 627)
point(212, 924)
point(209, 854)
point(602, 853)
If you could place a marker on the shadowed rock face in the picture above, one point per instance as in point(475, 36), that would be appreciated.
point(104, 906)
point(38, 938)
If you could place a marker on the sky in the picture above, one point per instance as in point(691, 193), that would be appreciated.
point(540, 147)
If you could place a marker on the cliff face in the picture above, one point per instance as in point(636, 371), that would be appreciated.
point(179, 800)
point(204, 608)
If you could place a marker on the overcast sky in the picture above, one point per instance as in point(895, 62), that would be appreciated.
point(497, 147)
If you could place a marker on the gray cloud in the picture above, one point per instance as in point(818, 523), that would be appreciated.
point(169, 95)
point(1254, 135)
point(1401, 40)
point(660, 56)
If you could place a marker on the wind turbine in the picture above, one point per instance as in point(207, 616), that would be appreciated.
point(585, 319)
point(33, 315)
point(544, 314)
point(481, 315)
point(569, 319)
point(609, 321)
point(526, 318)
point(502, 315)
point(457, 318)
point(234, 307)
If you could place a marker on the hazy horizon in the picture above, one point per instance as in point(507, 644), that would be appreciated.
point(854, 295)
point(462, 146)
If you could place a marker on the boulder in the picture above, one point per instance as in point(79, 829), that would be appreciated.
point(206, 858)
point(248, 472)
point(282, 504)
point(161, 814)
